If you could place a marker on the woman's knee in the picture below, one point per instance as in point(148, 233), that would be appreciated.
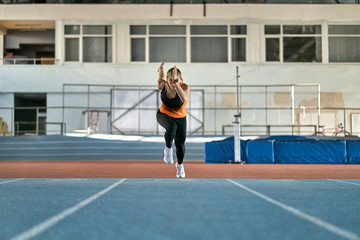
point(179, 144)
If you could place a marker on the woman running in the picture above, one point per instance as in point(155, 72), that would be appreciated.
point(172, 114)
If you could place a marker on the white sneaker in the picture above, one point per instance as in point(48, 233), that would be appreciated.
point(168, 155)
point(180, 171)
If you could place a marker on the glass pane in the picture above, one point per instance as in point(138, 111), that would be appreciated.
point(167, 30)
point(167, 49)
point(138, 49)
point(302, 29)
point(72, 29)
point(211, 49)
point(71, 49)
point(302, 49)
point(344, 29)
point(272, 29)
point(344, 49)
point(97, 49)
point(97, 29)
point(238, 49)
point(238, 30)
point(140, 30)
point(208, 30)
point(272, 49)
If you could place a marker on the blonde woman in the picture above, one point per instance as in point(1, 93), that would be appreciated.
point(172, 114)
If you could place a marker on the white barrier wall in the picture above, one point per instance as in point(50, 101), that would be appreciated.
point(339, 82)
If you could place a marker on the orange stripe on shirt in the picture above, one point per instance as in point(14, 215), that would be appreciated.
point(175, 113)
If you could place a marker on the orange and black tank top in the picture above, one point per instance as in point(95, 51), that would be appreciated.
point(172, 107)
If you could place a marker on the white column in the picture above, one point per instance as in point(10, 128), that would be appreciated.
point(122, 39)
point(325, 42)
point(1, 49)
point(59, 42)
point(254, 35)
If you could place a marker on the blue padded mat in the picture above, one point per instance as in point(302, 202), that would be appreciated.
point(223, 151)
point(287, 149)
point(310, 152)
point(353, 152)
point(260, 151)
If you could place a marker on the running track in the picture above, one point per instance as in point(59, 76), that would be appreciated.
point(97, 199)
point(179, 209)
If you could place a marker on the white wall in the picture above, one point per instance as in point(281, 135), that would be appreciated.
point(341, 78)
point(332, 78)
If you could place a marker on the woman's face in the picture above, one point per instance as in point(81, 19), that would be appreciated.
point(171, 84)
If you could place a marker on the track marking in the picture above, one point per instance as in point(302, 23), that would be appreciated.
point(85, 147)
point(12, 180)
point(334, 180)
point(328, 226)
point(41, 227)
point(87, 154)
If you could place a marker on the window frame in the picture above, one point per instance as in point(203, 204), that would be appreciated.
point(329, 35)
point(141, 36)
point(188, 37)
point(81, 36)
point(281, 36)
point(242, 36)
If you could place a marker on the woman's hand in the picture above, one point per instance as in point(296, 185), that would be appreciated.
point(161, 71)
point(161, 79)
point(174, 74)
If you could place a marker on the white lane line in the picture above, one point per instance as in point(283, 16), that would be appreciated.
point(12, 180)
point(343, 182)
point(88, 154)
point(328, 226)
point(84, 147)
point(41, 227)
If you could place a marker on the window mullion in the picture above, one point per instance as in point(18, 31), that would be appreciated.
point(281, 45)
point(229, 48)
point(81, 44)
point(325, 43)
point(188, 44)
point(147, 48)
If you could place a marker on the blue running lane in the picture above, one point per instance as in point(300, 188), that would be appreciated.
point(180, 209)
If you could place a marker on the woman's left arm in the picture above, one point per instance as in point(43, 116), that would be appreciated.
point(183, 91)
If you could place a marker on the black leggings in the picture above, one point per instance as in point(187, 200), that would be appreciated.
point(175, 129)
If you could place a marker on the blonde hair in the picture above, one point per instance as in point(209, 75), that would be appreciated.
point(169, 74)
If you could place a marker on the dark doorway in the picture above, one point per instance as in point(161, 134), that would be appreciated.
point(30, 113)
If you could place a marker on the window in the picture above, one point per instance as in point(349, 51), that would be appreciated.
point(238, 43)
point(138, 36)
point(168, 43)
point(72, 43)
point(88, 43)
point(210, 43)
point(344, 43)
point(293, 43)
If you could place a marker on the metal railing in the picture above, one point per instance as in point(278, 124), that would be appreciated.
point(269, 129)
point(350, 117)
point(210, 113)
point(37, 130)
point(28, 61)
point(213, 111)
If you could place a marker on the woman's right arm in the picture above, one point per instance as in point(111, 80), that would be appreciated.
point(161, 79)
